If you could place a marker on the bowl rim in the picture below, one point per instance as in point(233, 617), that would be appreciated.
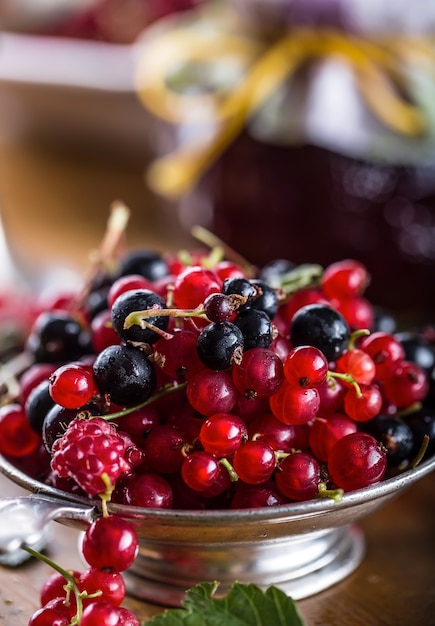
point(388, 487)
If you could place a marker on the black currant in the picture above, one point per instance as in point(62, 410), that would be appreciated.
point(38, 404)
point(320, 326)
point(422, 423)
point(396, 436)
point(57, 337)
point(240, 287)
point(267, 300)
point(219, 345)
point(124, 374)
point(57, 419)
point(96, 302)
point(272, 272)
point(218, 307)
point(256, 328)
point(147, 263)
point(384, 321)
point(138, 300)
point(418, 350)
point(55, 424)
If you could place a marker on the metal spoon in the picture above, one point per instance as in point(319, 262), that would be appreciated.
point(24, 521)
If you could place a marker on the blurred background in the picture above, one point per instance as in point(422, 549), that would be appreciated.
point(295, 128)
point(73, 135)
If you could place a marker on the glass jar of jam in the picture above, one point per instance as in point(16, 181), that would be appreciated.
point(305, 130)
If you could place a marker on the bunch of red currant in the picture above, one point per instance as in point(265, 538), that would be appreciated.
point(192, 383)
point(92, 597)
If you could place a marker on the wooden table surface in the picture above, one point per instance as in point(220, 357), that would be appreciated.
point(54, 202)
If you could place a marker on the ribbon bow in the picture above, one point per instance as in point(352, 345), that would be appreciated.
point(262, 68)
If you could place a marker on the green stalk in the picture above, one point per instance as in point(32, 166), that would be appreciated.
point(71, 583)
point(348, 379)
point(231, 471)
point(160, 394)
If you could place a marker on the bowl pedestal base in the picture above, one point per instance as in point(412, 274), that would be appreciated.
point(300, 565)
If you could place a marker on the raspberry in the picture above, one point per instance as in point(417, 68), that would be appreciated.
point(92, 453)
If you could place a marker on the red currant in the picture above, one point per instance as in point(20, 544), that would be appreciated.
point(344, 279)
point(260, 373)
point(193, 285)
point(102, 332)
point(127, 283)
point(266, 427)
point(54, 613)
point(364, 404)
point(298, 476)
point(139, 423)
point(228, 269)
point(356, 461)
point(211, 391)
point(222, 434)
point(37, 373)
point(163, 447)
point(72, 385)
point(178, 357)
point(202, 471)
point(17, 437)
point(255, 496)
point(110, 586)
point(254, 462)
point(101, 613)
point(358, 364)
point(358, 312)
point(300, 299)
point(408, 385)
point(110, 544)
point(54, 587)
point(148, 490)
point(295, 405)
point(331, 395)
point(306, 366)
point(323, 433)
point(385, 350)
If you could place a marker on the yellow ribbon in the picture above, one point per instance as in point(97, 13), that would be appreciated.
point(378, 71)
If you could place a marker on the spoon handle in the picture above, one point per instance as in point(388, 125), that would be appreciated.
point(23, 519)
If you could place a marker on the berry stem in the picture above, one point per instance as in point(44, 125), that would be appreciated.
point(216, 255)
point(334, 494)
point(347, 378)
point(231, 471)
point(301, 277)
point(362, 332)
point(139, 318)
point(421, 452)
point(280, 455)
point(71, 583)
point(115, 231)
point(104, 257)
point(107, 494)
point(209, 239)
point(167, 389)
point(409, 410)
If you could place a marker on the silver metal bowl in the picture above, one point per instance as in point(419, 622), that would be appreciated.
point(302, 548)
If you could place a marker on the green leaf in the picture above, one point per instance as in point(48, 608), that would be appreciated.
point(243, 605)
